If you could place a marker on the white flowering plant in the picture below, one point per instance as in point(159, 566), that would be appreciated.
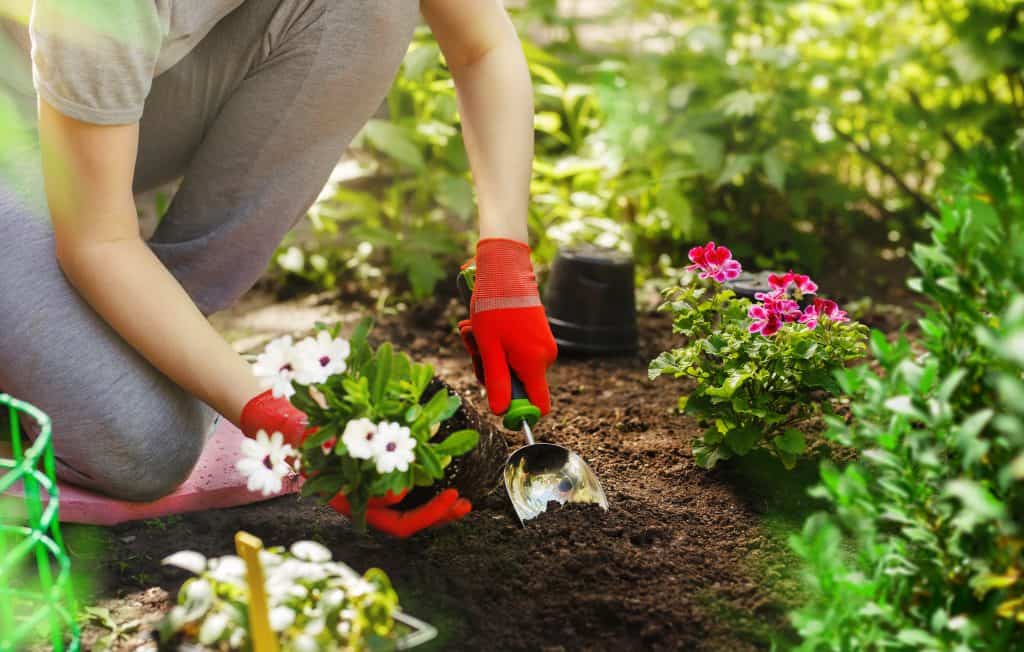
point(375, 429)
point(314, 603)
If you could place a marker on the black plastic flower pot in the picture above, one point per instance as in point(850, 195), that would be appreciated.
point(748, 284)
point(591, 301)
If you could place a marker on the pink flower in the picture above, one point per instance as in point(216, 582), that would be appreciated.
point(830, 310)
point(809, 317)
point(714, 262)
point(765, 322)
point(802, 282)
point(778, 303)
point(822, 308)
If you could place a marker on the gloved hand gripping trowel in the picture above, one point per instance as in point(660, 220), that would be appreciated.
point(536, 474)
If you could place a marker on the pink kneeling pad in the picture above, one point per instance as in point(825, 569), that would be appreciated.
point(214, 483)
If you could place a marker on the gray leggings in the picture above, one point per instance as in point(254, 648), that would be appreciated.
point(253, 121)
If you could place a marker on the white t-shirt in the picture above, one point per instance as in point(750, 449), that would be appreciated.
point(95, 60)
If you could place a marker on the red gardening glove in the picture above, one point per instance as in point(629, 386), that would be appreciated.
point(509, 324)
point(442, 508)
point(466, 333)
point(264, 412)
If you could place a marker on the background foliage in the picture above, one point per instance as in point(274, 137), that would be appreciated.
point(922, 547)
point(777, 126)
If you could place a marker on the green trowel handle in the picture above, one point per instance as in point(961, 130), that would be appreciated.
point(520, 409)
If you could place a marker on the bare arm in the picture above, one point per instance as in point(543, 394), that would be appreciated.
point(88, 170)
point(496, 106)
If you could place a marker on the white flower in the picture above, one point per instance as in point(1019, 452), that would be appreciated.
point(337, 569)
point(316, 624)
point(393, 447)
point(333, 598)
point(281, 618)
point(264, 462)
point(359, 587)
point(228, 569)
point(310, 551)
point(358, 437)
point(305, 643)
point(213, 627)
point(291, 260)
point(189, 560)
point(199, 592)
point(320, 358)
point(276, 367)
point(270, 559)
point(237, 638)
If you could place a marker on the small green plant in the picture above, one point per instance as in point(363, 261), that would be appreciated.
point(373, 425)
point(923, 546)
point(761, 369)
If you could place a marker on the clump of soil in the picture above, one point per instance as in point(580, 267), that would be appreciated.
point(475, 474)
point(683, 559)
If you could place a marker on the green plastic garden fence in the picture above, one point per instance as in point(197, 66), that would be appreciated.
point(36, 597)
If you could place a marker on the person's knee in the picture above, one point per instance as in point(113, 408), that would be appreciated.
point(145, 455)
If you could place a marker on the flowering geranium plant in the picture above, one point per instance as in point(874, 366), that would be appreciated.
point(314, 603)
point(761, 368)
point(374, 427)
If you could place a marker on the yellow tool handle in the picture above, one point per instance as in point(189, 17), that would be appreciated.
point(263, 638)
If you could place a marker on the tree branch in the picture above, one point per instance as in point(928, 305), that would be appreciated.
point(887, 170)
point(915, 99)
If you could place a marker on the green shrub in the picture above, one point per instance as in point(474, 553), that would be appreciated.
point(922, 548)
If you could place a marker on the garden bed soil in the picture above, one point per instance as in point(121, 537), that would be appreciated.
point(684, 558)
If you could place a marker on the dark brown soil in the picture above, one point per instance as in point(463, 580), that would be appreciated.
point(684, 559)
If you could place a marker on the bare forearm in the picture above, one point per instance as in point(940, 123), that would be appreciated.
point(132, 290)
point(496, 106)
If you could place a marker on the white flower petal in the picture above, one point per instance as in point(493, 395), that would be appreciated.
point(189, 560)
point(199, 592)
point(281, 618)
point(229, 569)
point(310, 551)
point(213, 627)
point(305, 643)
point(359, 438)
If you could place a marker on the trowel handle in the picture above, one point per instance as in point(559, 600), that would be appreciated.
point(520, 409)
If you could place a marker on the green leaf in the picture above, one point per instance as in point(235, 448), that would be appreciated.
point(326, 485)
point(729, 387)
point(708, 151)
point(457, 194)
point(774, 170)
point(380, 372)
point(919, 639)
point(426, 456)
point(421, 59)
point(742, 440)
point(736, 165)
point(904, 406)
point(459, 442)
point(979, 505)
point(395, 142)
point(792, 441)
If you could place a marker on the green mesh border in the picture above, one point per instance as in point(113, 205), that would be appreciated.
point(53, 605)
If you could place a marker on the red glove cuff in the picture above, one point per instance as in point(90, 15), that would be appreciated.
point(504, 276)
point(264, 412)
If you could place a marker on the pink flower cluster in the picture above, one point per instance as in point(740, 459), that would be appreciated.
point(776, 307)
point(714, 262)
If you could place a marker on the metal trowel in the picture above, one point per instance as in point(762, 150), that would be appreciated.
point(538, 474)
